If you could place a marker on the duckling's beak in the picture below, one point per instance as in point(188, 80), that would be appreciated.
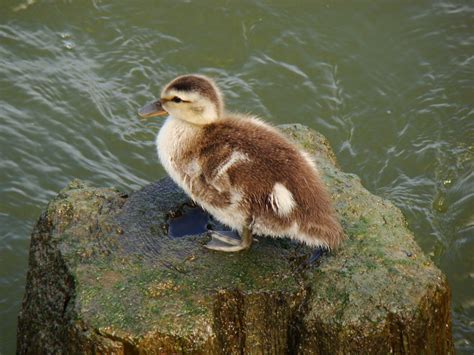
point(152, 110)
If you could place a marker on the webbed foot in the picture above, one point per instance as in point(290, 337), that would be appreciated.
point(316, 255)
point(226, 241)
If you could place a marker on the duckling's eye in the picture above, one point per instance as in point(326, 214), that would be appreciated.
point(176, 99)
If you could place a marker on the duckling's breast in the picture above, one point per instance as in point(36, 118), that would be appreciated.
point(173, 143)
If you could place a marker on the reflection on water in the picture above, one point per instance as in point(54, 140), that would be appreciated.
point(389, 84)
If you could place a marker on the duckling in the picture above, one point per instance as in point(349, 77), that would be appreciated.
point(241, 170)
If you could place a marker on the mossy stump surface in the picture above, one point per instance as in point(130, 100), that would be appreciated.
point(105, 277)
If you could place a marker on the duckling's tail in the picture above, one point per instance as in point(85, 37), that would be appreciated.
point(327, 233)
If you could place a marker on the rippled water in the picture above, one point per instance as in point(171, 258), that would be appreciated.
point(390, 84)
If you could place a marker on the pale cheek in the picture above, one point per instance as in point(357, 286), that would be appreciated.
point(197, 110)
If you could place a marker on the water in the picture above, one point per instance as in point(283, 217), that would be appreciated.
point(391, 84)
point(189, 221)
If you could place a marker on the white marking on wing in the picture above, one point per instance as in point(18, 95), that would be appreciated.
point(235, 158)
point(193, 168)
point(281, 200)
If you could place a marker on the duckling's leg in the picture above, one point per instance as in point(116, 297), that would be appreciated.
point(222, 242)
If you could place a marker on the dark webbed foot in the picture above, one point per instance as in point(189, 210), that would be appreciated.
point(226, 241)
point(316, 255)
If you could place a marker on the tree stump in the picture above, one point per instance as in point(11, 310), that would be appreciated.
point(105, 277)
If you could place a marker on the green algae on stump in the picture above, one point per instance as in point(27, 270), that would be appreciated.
point(105, 277)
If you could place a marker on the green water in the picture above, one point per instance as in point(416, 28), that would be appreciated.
point(390, 83)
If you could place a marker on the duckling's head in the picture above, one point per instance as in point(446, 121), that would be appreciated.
point(192, 98)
